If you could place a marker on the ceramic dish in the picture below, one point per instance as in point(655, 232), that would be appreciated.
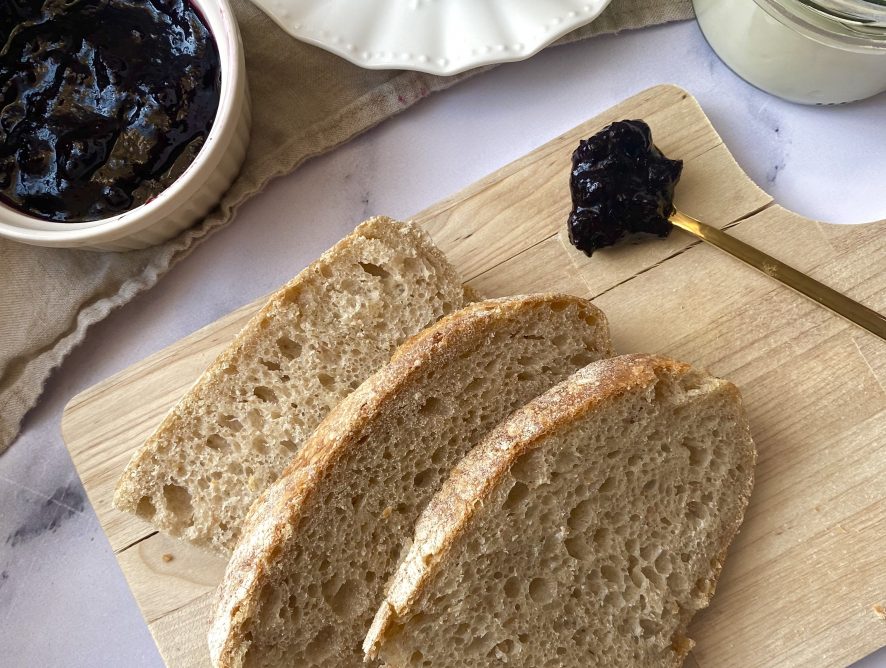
point(435, 36)
point(193, 194)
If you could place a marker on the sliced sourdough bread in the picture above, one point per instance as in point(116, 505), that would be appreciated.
point(586, 530)
point(309, 572)
point(315, 341)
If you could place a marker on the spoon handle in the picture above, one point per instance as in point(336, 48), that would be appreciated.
point(818, 292)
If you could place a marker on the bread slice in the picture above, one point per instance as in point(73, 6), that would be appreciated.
point(586, 530)
point(315, 341)
point(307, 576)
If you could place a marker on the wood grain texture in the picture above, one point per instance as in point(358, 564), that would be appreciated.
point(804, 575)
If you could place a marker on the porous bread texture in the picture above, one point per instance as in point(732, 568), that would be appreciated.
point(586, 530)
point(304, 582)
point(314, 342)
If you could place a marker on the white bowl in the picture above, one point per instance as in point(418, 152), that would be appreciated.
point(193, 194)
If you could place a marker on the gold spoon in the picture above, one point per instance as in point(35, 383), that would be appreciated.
point(818, 292)
point(621, 184)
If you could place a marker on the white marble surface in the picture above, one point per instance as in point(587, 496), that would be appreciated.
point(63, 600)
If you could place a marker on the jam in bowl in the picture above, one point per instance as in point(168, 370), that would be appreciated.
point(122, 122)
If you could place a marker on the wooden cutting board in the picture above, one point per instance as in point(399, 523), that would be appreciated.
point(805, 578)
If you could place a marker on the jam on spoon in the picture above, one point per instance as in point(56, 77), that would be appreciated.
point(621, 186)
point(103, 103)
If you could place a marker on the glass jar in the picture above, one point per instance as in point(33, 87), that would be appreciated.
point(808, 51)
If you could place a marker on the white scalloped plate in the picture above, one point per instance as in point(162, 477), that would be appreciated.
point(435, 36)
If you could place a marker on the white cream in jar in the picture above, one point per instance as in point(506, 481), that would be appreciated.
point(803, 52)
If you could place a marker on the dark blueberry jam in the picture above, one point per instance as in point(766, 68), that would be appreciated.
point(621, 186)
point(103, 103)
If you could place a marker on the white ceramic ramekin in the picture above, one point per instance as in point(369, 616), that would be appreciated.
point(193, 194)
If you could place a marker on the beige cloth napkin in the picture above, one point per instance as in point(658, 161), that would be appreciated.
point(305, 102)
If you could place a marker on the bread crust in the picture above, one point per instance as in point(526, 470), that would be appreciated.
point(276, 515)
point(473, 481)
point(136, 477)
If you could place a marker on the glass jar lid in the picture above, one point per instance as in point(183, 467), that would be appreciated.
point(852, 25)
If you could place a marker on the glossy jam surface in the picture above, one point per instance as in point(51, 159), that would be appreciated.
point(103, 103)
point(621, 186)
